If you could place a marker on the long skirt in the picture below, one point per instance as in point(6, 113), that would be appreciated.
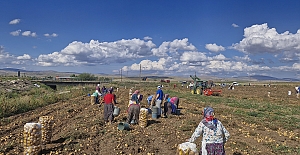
point(133, 111)
point(213, 149)
point(108, 112)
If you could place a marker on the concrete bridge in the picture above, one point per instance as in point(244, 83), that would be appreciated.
point(53, 83)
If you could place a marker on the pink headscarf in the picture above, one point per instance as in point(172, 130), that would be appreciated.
point(136, 92)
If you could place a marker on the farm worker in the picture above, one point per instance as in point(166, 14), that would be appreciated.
point(159, 99)
point(170, 105)
point(214, 134)
point(104, 90)
point(167, 108)
point(109, 104)
point(175, 101)
point(134, 107)
point(149, 99)
point(98, 87)
point(97, 94)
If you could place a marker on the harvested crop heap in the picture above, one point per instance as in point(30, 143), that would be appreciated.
point(143, 117)
point(32, 138)
point(46, 128)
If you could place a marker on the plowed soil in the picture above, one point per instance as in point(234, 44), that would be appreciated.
point(79, 126)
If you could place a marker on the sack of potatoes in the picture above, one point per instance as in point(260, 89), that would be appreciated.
point(187, 148)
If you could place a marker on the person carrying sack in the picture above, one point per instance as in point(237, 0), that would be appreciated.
point(214, 134)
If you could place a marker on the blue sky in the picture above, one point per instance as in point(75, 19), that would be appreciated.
point(173, 38)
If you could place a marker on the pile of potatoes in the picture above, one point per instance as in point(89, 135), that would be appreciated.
point(143, 117)
point(32, 138)
point(46, 128)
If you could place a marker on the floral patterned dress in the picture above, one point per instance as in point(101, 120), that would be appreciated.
point(212, 139)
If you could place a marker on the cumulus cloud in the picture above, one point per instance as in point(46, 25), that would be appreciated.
point(51, 35)
point(96, 52)
point(262, 39)
point(24, 57)
point(147, 38)
point(29, 34)
point(234, 25)
point(15, 21)
point(214, 47)
point(173, 48)
point(15, 33)
point(4, 56)
point(165, 65)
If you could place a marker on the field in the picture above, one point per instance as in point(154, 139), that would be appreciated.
point(258, 124)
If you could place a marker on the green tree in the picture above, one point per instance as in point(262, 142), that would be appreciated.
point(86, 77)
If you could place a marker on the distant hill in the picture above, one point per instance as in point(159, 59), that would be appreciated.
point(266, 78)
point(13, 71)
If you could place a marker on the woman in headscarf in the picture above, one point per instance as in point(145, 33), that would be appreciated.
point(109, 104)
point(214, 134)
point(134, 107)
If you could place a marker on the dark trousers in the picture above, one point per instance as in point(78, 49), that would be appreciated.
point(167, 108)
point(133, 111)
point(108, 112)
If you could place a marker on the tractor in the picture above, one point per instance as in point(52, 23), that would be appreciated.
point(203, 87)
point(198, 85)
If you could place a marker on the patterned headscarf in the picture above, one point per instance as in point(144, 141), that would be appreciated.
point(208, 112)
point(209, 120)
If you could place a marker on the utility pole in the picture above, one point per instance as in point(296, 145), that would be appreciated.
point(140, 72)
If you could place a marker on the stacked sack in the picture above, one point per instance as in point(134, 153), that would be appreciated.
point(143, 117)
point(187, 148)
point(46, 128)
point(32, 138)
point(93, 98)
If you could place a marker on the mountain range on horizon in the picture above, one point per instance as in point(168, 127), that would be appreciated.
point(250, 78)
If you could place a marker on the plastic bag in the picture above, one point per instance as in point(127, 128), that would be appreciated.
point(187, 148)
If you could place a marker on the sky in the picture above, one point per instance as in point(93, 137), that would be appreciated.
point(168, 38)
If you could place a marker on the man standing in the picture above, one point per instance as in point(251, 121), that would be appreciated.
point(159, 98)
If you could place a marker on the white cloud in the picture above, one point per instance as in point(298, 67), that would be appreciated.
point(15, 21)
point(173, 48)
point(24, 57)
point(29, 34)
point(5, 58)
point(96, 52)
point(51, 35)
point(193, 57)
point(234, 25)
point(163, 64)
point(262, 39)
point(214, 47)
point(147, 38)
point(16, 33)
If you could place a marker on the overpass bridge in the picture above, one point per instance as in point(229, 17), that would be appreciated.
point(53, 83)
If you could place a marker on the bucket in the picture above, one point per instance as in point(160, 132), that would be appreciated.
point(155, 109)
point(116, 111)
point(177, 111)
point(123, 126)
point(154, 115)
point(149, 110)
